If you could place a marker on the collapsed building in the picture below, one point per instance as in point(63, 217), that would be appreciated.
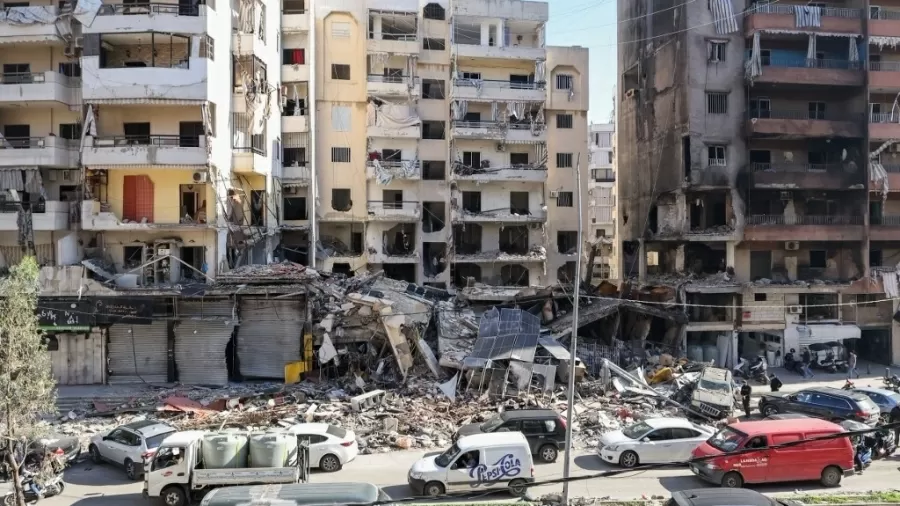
point(759, 196)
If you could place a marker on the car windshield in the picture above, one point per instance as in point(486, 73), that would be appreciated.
point(155, 441)
point(444, 459)
point(492, 424)
point(637, 430)
point(726, 440)
point(713, 385)
point(336, 432)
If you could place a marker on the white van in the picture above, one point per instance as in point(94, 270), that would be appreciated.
point(481, 461)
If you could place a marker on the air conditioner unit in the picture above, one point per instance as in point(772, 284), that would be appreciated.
point(79, 42)
point(795, 309)
point(786, 196)
point(200, 177)
point(792, 245)
point(554, 194)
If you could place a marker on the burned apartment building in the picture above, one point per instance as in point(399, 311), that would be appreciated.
point(756, 159)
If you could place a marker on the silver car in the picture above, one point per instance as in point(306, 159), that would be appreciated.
point(129, 444)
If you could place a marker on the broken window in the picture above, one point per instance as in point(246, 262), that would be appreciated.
point(716, 51)
point(716, 103)
point(295, 208)
point(716, 155)
point(471, 201)
point(402, 272)
point(818, 259)
point(518, 203)
point(567, 241)
point(257, 208)
point(513, 275)
point(340, 199)
point(132, 256)
point(564, 199)
point(461, 273)
point(760, 265)
point(433, 216)
point(875, 258)
point(433, 130)
point(518, 159)
point(392, 199)
point(434, 170)
point(563, 160)
point(340, 72)
point(467, 238)
point(566, 273)
point(434, 11)
point(514, 240)
point(400, 240)
point(433, 44)
point(194, 256)
point(434, 258)
point(433, 89)
point(193, 203)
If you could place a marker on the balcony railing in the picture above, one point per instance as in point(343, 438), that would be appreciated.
point(378, 78)
point(884, 117)
point(831, 12)
point(13, 207)
point(884, 66)
point(891, 168)
point(28, 142)
point(401, 36)
point(800, 114)
point(603, 175)
point(492, 124)
point(810, 63)
point(489, 83)
point(391, 206)
point(133, 9)
point(147, 140)
point(779, 219)
point(394, 164)
point(889, 220)
point(793, 167)
point(885, 14)
point(34, 77)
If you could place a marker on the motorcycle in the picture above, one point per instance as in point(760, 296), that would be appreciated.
point(52, 487)
point(882, 443)
point(826, 364)
point(839, 364)
point(758, 371)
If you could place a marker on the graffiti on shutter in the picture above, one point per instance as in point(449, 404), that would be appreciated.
point(139, 353)
point(270, 336)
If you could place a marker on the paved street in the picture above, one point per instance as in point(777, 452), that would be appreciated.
point(106, 486)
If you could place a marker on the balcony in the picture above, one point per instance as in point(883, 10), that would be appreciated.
point(396, 86)
point(520, 52)
point(44, 30)
point(497, 91)
point(187, 82)
point(394, 211)
point(884, 75)
point(813, 176)
point(884, 125)
point(46, 216)
point(299, 174)
point(810, 72)
point(884, 228)
point(393, 32)
point(395, 44)
point(172, 151)
point(495, 130)
point(523, 173)
point(605, 175)
point(292, 124)
point(39, 87)
point(395, 132)
point(294, 20)
point(893, 179)
point(883, 22)
point(388, 170)
point(295, 73)
point(97, 217)
point(783, 17)
point(777, 227)
point(249, 160)
point(799, 124)
point(499, 216)
point(115, 18)
point(533, 255)
point(49, 151)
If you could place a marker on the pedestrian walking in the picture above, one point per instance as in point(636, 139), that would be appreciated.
point(746, 392)
point(775, 383)
point(851, 364)
point(806, 360)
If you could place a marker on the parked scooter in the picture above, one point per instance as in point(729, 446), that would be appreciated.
point(839, 363)
point(826, 365)
point(52, 487)
point(891, 381)
point(758, 371)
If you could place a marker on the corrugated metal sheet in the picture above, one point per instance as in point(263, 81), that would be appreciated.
point(138, 353)
point(270, 336)
point(201, 336)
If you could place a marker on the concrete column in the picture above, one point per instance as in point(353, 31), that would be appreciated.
point(730, 247)
point(642, 260)
point(485, 33)
point(680, 259)
point(500, 27)
point(376, 27)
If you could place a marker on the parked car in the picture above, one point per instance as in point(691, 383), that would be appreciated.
point(714, 395)
point(330, 447)
point(66, 447)
point(822, 402)
point(129, 444)
point(545, 430)
point(787, 416)
point(886, 400)
point(719, 497)
point(655, 440)
point(826, 461)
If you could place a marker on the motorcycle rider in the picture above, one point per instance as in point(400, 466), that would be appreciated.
point(27, 480)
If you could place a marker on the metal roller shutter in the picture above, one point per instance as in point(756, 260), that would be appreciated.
point(139, 353)
point(201, 336)
point(270, 336)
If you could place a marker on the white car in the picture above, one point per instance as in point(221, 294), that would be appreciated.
point(330, 447)
point(653, 441)
point(129, 444)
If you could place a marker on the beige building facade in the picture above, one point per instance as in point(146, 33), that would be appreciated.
point(602, 198)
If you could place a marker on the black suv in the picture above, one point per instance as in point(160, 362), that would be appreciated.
point(544, 429)
point(822, 402)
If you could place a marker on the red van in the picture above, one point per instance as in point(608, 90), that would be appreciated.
point(826, 461)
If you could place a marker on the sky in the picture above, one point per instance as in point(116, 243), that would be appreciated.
point(590, 24)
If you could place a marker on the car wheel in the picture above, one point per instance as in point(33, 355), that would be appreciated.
point(174, 496)
point(130, 470)
point(517, 487)
point(330, 464)
point(831, 476)
point(769, 410)
point(629, 459)
point(548, 453)
point(732, 480)
point(433, 489)
point(95, 454)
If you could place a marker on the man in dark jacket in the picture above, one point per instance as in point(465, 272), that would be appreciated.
point(746, 391)
point(807, 360)
point(775, 383)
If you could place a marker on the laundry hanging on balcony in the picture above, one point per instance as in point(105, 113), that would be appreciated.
point(459, 109)
point(877, 175)
point(90, 125)
point(295, 96)
point(23, 179)
point(854, 50)
point(753, 67)
point(811, 51)
point(882, 42)
point(723, 16)
point(540, 71)
point(386, 114)
point(807, 16)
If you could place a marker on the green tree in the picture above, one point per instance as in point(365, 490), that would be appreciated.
point(27, 388)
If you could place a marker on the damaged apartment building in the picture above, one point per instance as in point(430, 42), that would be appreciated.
point(756, 145)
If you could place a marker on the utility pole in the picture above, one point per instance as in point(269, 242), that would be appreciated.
point(574, 340)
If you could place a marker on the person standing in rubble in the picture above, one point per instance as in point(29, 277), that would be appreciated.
point(746, 392)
